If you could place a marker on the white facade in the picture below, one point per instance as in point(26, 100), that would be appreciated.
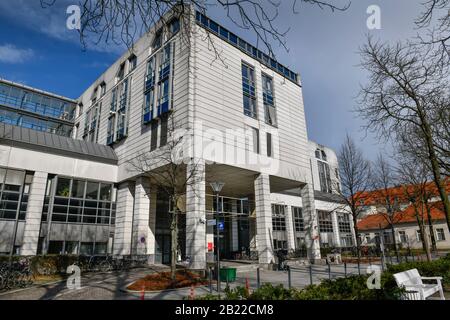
point(263, 155)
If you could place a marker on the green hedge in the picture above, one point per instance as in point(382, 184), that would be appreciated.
point(46, 265)
point(440, 267)
point(351, 288)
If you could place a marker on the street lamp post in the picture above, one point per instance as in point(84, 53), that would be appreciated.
point(217, 187)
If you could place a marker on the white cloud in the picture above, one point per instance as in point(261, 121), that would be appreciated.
point(51, 21)
point(11, 54)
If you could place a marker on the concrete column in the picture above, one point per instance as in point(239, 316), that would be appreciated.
point(290, 228)
point(336, 233)
point(234, 229)
point(196, 246)
point(151, 242)
point(34, 214)
point(142, 233)
point(312, 237)
point(264, 236)
point(124, 219)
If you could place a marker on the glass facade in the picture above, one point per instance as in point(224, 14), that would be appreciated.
point(247, 48)
point(26, 108)
point(79, 201)
point(14, 190)
point(78, 216)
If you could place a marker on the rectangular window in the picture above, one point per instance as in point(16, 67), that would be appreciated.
point(249, 91)
point(325, 222)
point(344, 223)
point(297, 214)
point(268, 98)
point(440, 234)
point(324, 176)
point(402, 236)
point(269, 145)
point(278, 217)
point(418, 235)
point(132, 63)
point(164, 130)
point(255, 133)
point(174, 26)
point(154, 136)
point(164, 80)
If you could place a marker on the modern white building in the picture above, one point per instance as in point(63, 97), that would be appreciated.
point(241, 121)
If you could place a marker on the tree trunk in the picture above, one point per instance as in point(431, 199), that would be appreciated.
point(425, 244)
point(358, 241)
point(431, 228)
point(394, 241)
point(174, 245)
point(436, 172)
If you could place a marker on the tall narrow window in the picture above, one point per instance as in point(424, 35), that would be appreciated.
point(269, 145)
point(149, 91)
point(324, 176)
point(164, 130)
point(299, 225)
point(154, 136)
point(249, 91)
point(268, 98)
point(132, 63)
point(164, 80)
point(255, 133)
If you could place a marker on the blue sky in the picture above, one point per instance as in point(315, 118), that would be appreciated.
point(37, 49)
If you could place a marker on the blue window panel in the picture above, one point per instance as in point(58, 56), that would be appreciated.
point(260, 55)
point(120, 133)
point(163, 108)
point(273, 63)
point(164, 73)
point(149, 82)
point(233, 38)
point(268, 99)
point(248, 89)
point(198, 16)
point(109, 140)
point(214, 26)
point(255, 52)
point(224, 32)
point(242, 44)
point(204, 21)
point(280, 68)
point(148, 117)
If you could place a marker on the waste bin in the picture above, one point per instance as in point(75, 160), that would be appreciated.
point(228, 274)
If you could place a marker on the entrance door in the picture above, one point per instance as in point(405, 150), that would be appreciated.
point(163, 248)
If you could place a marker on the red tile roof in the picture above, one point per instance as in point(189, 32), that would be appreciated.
point(374, 221)
point(400, 193)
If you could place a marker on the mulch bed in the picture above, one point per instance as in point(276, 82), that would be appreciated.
point(163, 281)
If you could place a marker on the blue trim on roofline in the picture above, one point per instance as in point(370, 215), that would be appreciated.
point(245, 47)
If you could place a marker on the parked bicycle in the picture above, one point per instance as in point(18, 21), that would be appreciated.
point(18, 274)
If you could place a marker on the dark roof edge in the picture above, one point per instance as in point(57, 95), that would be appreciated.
point(109, 155)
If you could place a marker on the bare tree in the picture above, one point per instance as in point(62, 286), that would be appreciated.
point(383, 197)
point(435, 18)
point(170, 170)
point(355, 177)
point(123, 21)
point(406, 92)
point(414, 177)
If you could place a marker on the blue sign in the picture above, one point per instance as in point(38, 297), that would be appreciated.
point(221, 225)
